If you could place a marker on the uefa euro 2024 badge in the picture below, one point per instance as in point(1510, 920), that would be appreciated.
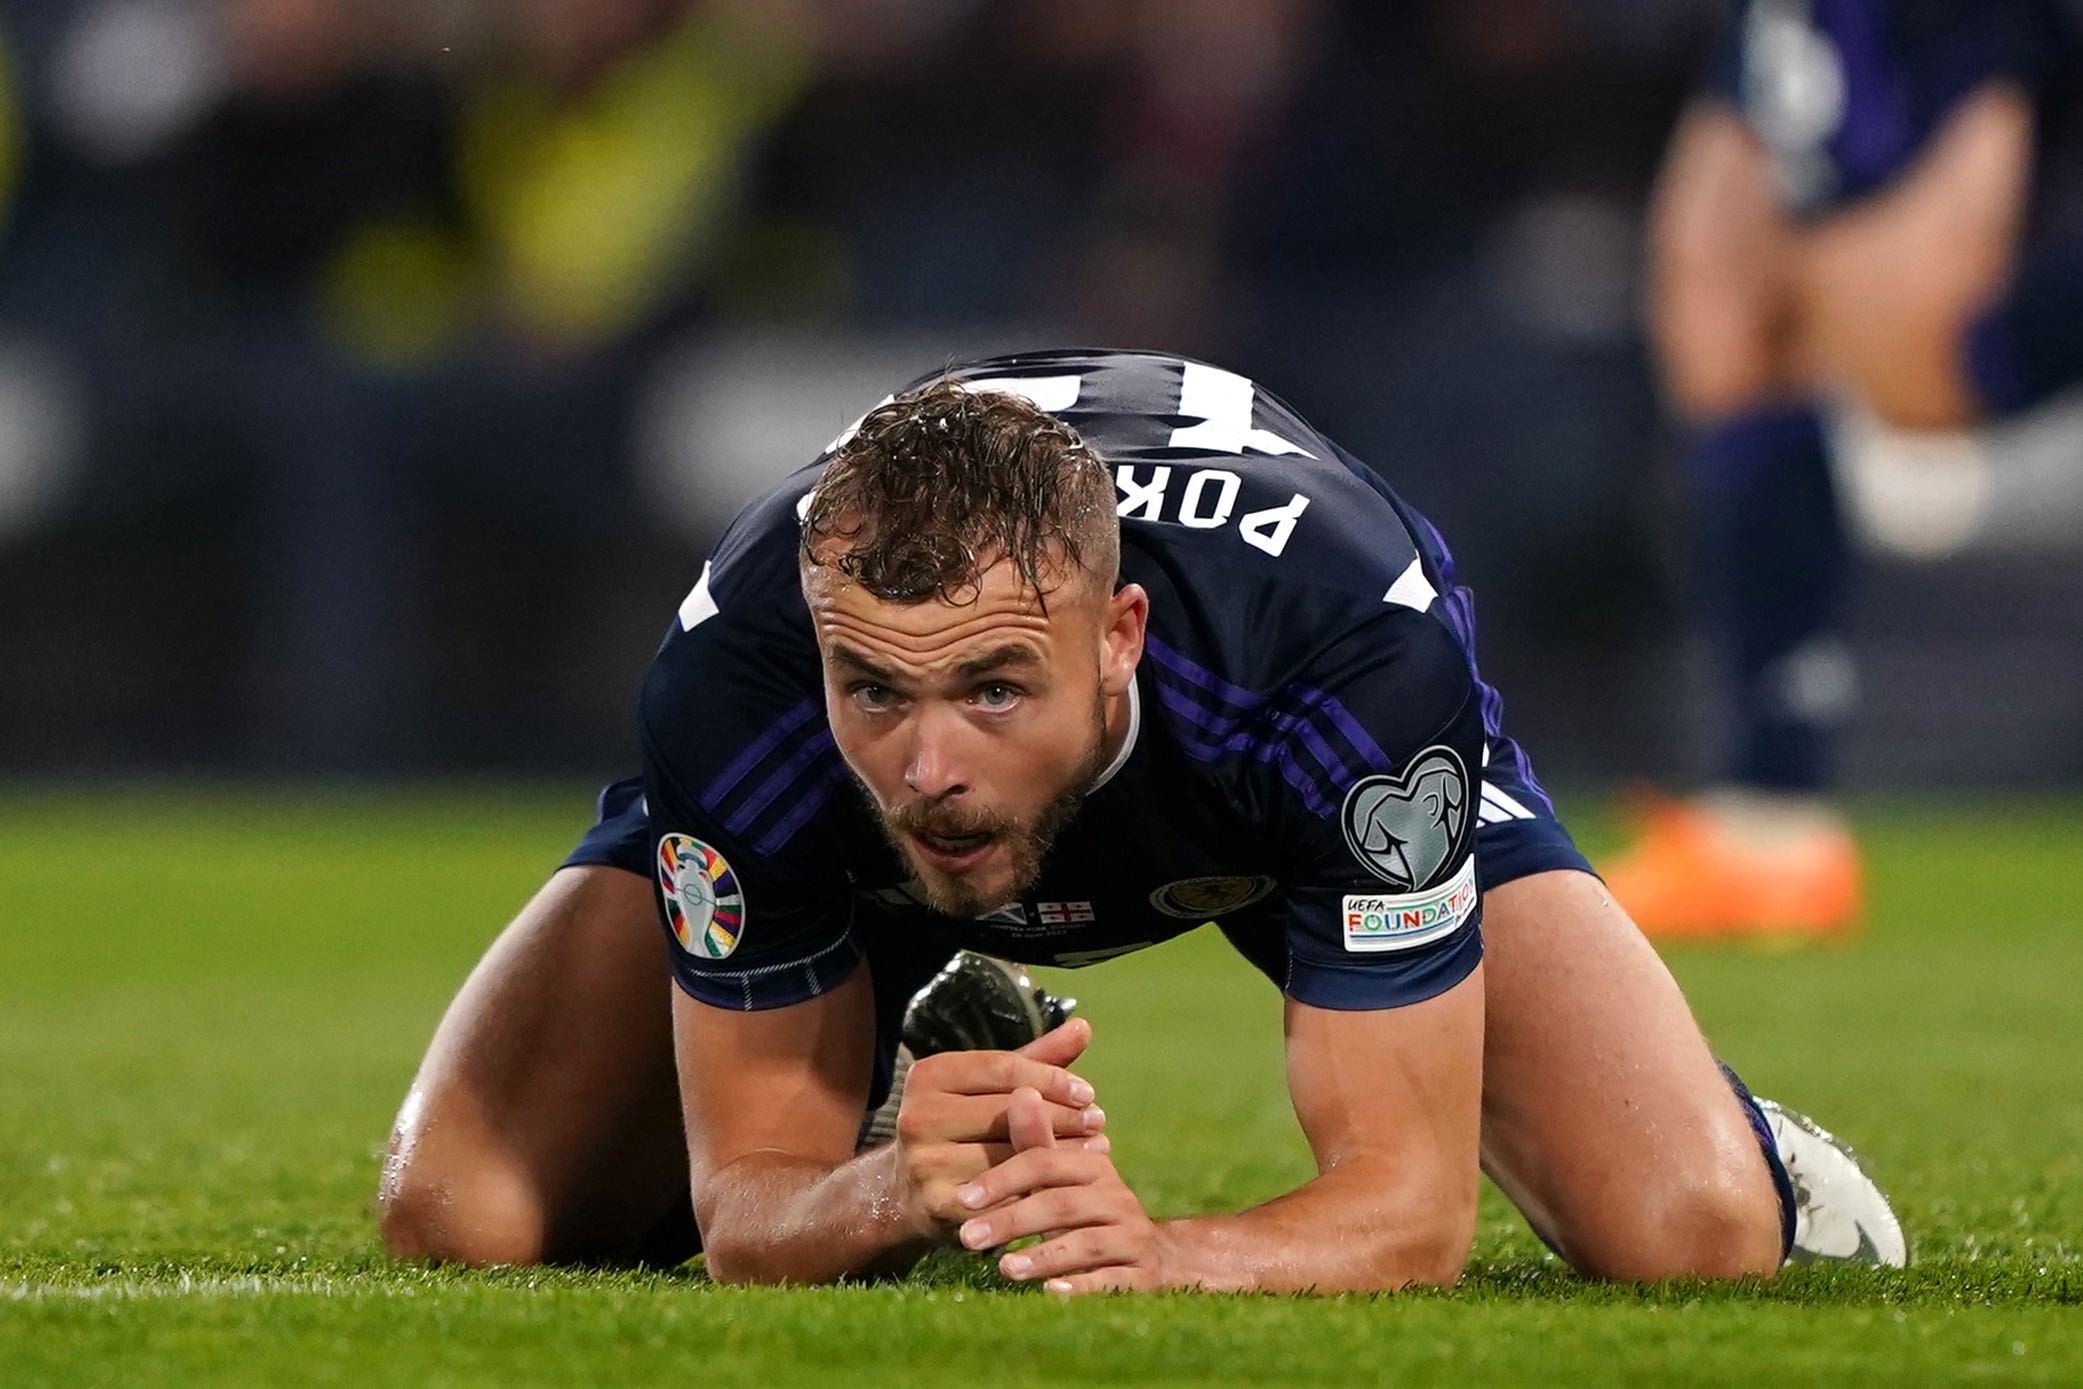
point(702, 898)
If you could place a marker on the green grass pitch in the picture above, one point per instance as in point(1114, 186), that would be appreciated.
point(210, 1003)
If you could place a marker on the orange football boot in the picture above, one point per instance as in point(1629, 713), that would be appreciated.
point(1695, 875)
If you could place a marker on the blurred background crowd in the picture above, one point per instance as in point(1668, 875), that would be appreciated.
point(374, 373)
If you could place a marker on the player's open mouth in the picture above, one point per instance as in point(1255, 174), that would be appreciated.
point(951, 853)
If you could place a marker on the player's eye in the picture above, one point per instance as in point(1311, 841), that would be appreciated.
point(870, 695)
point(996, 695)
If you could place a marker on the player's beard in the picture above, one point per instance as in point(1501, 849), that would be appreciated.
point(1026, 844)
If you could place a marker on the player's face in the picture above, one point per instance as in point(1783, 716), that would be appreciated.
point(976, 728)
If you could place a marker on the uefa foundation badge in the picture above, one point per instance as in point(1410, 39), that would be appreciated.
point(702, 898)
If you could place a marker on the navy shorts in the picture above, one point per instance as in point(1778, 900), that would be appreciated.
point(1845, 98)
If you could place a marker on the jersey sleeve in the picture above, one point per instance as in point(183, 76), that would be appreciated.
point(740, 776)
point(1377, 802)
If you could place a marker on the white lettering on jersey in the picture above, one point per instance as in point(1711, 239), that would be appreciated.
point(697, 607)
point(1270, 529)
point(1227, 485)
point(1050, 393)
point(1044, 392)
point(1144, 500)
point(1222, 400)
point(1141, 500)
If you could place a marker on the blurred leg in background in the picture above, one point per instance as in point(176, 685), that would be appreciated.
point(1838, 224)
point(1765, 847)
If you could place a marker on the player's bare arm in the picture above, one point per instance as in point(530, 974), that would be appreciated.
point(1390, 1101)
point(773, 1103)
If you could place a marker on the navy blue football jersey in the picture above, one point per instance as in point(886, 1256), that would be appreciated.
point(1845, 93)
point(1309, 761)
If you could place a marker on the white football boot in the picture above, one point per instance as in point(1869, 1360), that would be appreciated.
point(1841, 1216)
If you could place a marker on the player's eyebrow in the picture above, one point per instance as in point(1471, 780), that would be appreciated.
point(1009, 656)
point(844, 655)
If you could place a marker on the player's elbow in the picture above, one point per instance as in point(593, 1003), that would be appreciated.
point(1408, 1258)
point(745, 1262)
point(755, 1261)
point(749, 1238)
point(734, 1250)
point(1416, 1244)
point(1434, 1255)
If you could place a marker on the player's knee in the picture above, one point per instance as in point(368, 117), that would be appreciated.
point(1721, 1224)
point(484, 1216)
point(1940, 399)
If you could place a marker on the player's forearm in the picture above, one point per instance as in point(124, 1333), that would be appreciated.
point(776, 1218)
point(1362, 1227)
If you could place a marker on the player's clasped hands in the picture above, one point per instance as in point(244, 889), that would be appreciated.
point(956, 1120)
point(997, 1145)
point(1096, 1233)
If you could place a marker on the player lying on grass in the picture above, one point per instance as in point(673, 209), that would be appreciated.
point(1059, 657)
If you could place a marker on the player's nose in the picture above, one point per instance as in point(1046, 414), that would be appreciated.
point(937, 766)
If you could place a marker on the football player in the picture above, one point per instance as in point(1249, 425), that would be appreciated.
point(1848, 210)
point(1056, 657)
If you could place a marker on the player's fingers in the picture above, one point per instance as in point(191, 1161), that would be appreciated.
point(988, 1119)
point(962, 1163)
point(1028, 1120)
point(1045, 1212)
point(1002, 1072)
point(1120, 1278)
point(1060, 1045)
point(1032, 1170)
point(1073, 1252)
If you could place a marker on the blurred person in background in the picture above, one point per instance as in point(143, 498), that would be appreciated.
point(1858, 209)
point(338, 275)
point(356, 299)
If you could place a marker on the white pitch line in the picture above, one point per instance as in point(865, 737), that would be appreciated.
point(187, 1285)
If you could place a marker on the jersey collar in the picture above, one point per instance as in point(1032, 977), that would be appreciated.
point(1128, 743)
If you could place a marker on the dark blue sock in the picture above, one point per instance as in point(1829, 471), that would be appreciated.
point(2028, 343)
point(1782, 1184)
point(1773, 561)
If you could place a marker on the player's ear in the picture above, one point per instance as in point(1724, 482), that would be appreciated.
point(1121, 637)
